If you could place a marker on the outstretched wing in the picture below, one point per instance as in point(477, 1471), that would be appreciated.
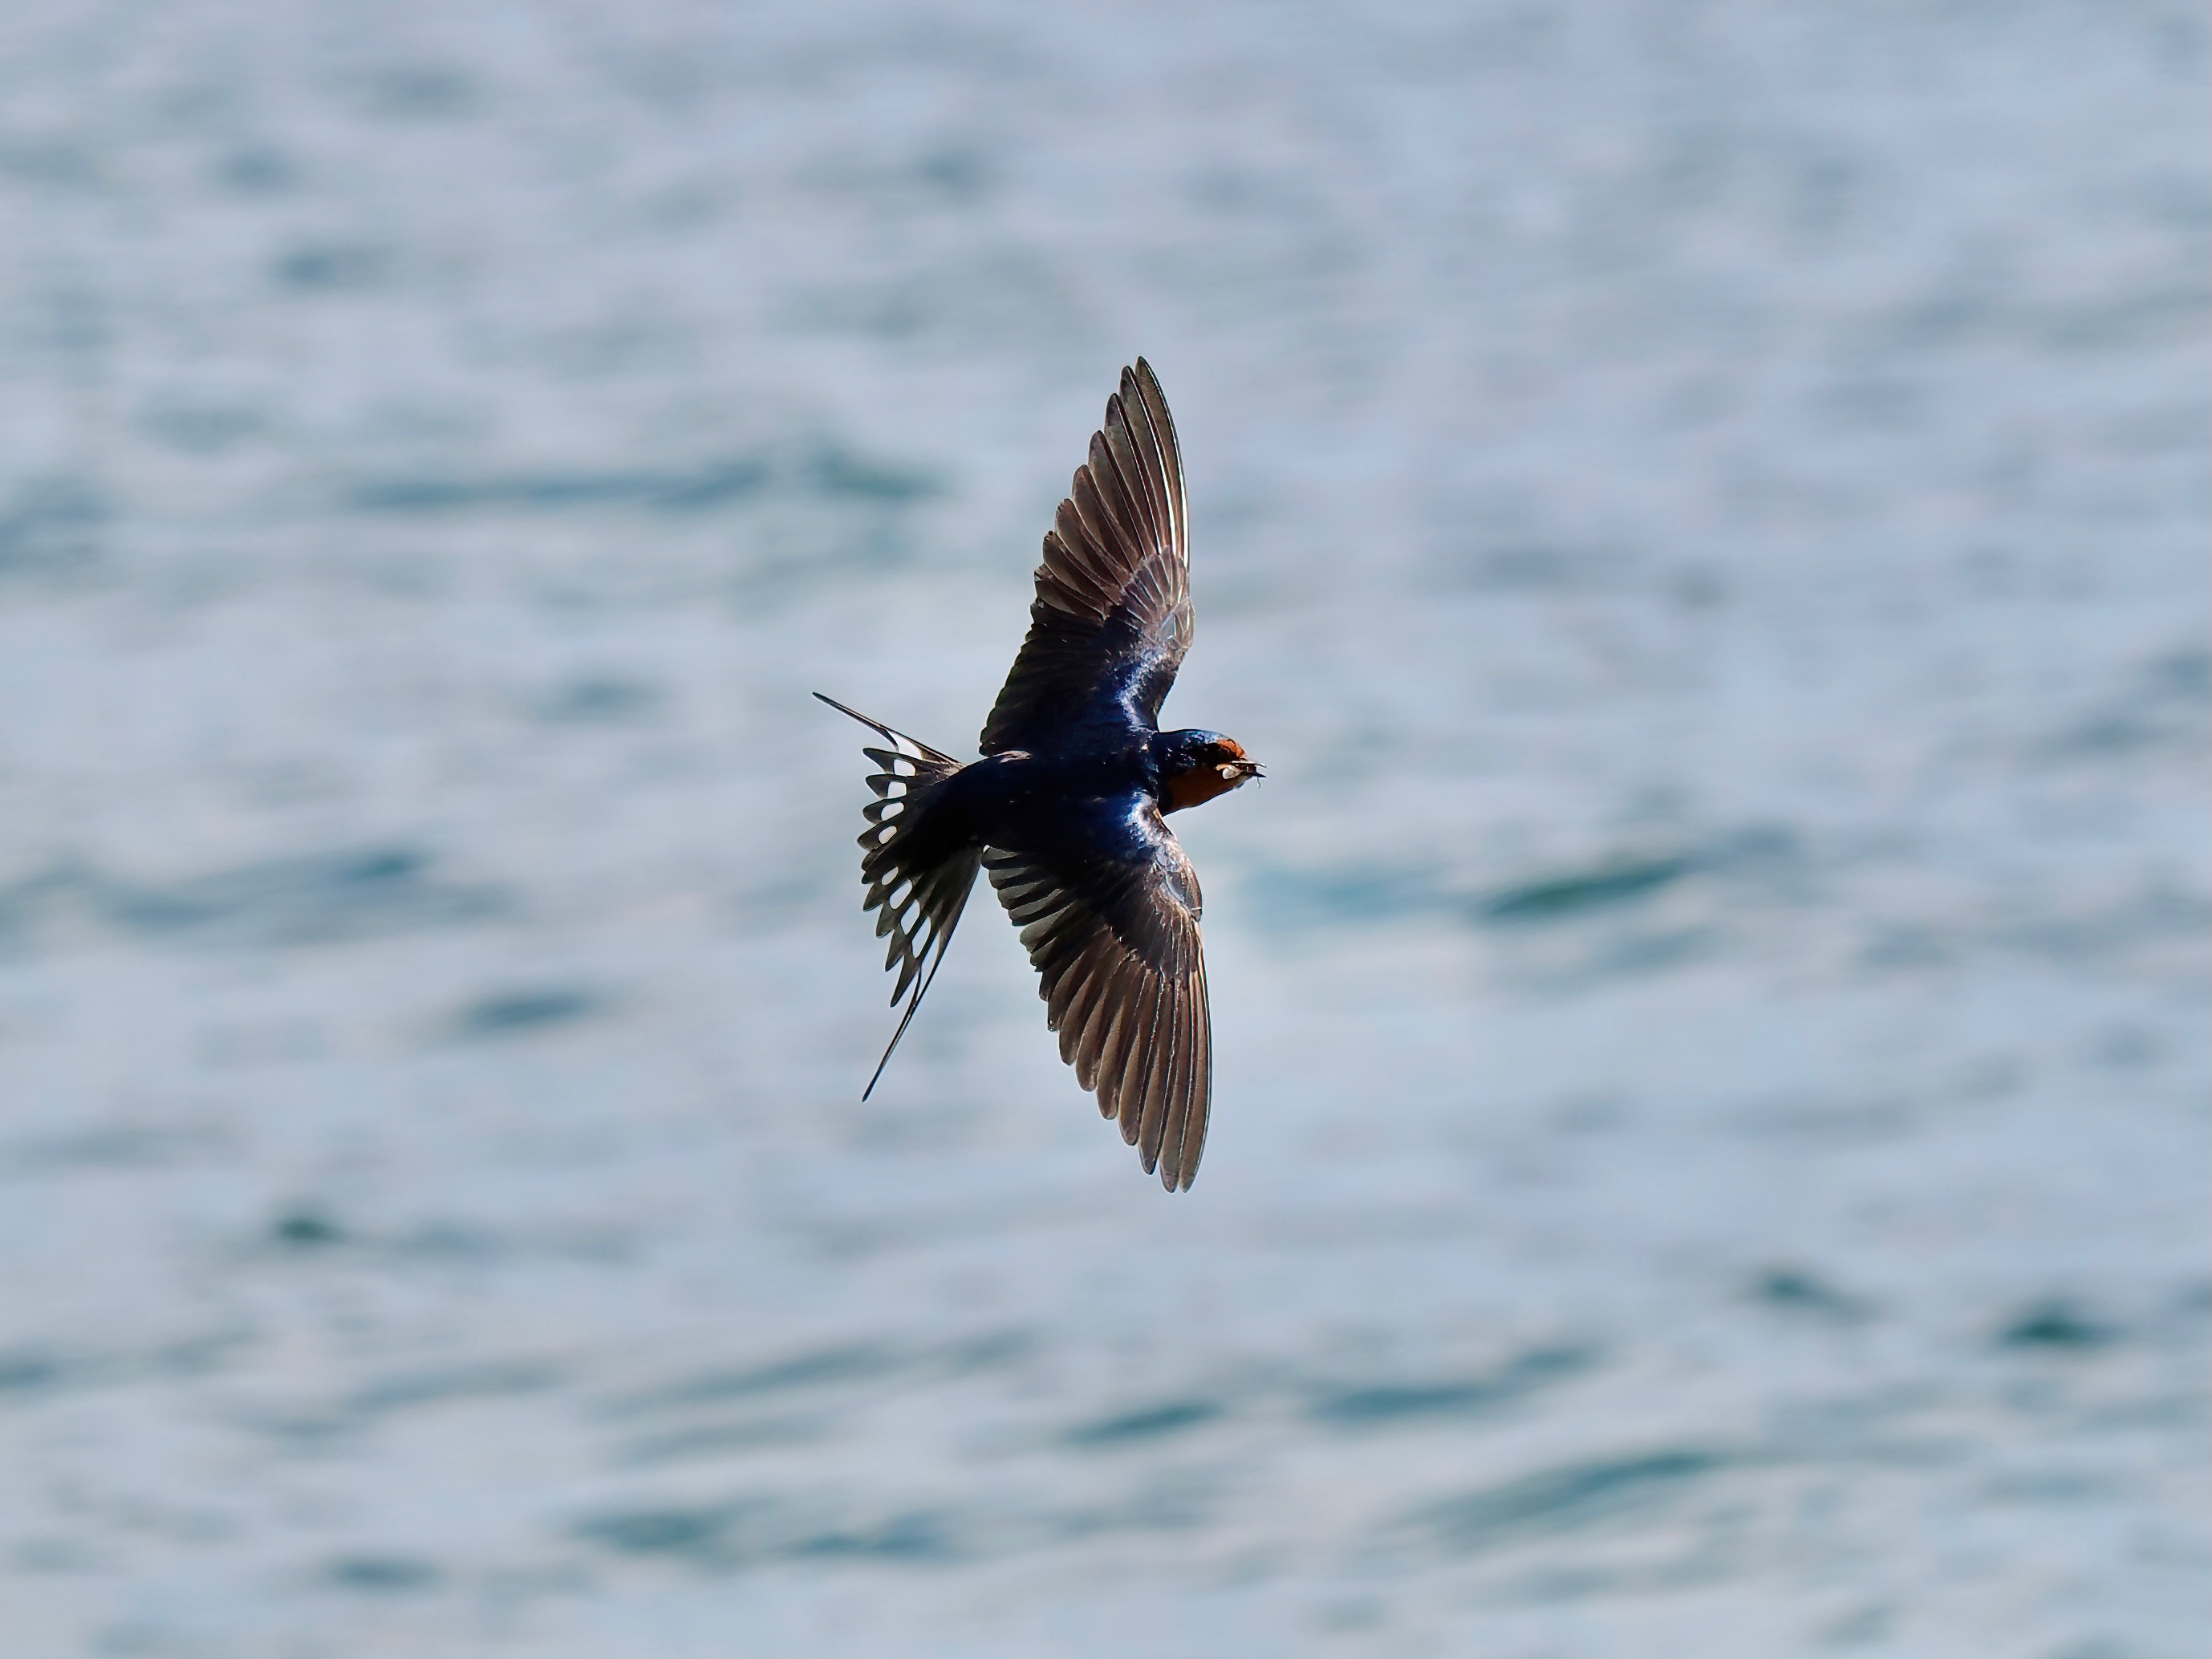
point(920, 888)
point(1112, 619)
point(1116, 944)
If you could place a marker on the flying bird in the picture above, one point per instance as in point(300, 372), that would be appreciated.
point(1066, 809)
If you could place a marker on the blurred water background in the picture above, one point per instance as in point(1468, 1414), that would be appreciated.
point(1703, 510)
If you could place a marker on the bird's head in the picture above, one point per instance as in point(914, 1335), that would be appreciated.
point(1196, 766)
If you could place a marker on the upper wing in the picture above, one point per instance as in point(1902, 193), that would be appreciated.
point(1115, 942)
point(1112, 615)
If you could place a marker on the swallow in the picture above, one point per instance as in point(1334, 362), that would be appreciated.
point(1067, 808)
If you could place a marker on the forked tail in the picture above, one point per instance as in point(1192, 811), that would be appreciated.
point(921, 890)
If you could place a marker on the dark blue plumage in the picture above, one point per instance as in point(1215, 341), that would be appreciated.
point(1066, 809)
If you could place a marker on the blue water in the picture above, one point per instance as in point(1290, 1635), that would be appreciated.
point(1702, 511)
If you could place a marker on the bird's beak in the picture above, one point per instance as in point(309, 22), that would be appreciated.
point(1236, 771)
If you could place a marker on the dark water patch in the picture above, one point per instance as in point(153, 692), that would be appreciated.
point(306, 899)
point(2169, 314)
point(1798, 1290)
point(2063, 1488)
point(329, 267)
point(715, 1440)
point(747, 1533)
point(600, 702)
point(953, 176)
point(1769, 856)
point(54, 163)
point(21, 905)
point(193, 1356)
point(840, 474)
point(53, 526)
point(695, 1533)
point(521, 1013)
point(1646, 952)
point(1575, 893)
point(1383, 1403)
point(2162, 705)
point(2179, 1410)
point(1351, 1614)
point(1904, 945)
point(2124, 1047)
point(2057, 1327)
point(2154, 914)
point(71, 320)
point(254, 169)
point(2108, 731)
point(1696, 587)
point(1859, 1627)
point(115, 1146)
point(1864, 1430)
point(1839, 1122)
point(868, 546)
point(962, 300)
point(34, 1371)
point(990, 1350)
point(2184, 673)
point(1566, 1498)
point(383, 1575)
point(1952, 315)
point(830, 473)
point(419, 92)
point(51, 1555)
point(1534, 567)
point(1178, 1506)
point(450, 1242)
point(1148, 1422)
point(302, 1432)
point(785, 901)
point(783, 1400)
point(1874, 403)
point(438, 1387)
point(2126, 726)
point(305, 1230)
point(820, 1368)
point(920, 1535)
point(709, 486)
point(713, 485)
point(1343, 895)
point(1600, 1112)
point(961, 174)
point(200, 428)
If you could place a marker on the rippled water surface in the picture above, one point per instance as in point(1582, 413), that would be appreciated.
point(1703, 512)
